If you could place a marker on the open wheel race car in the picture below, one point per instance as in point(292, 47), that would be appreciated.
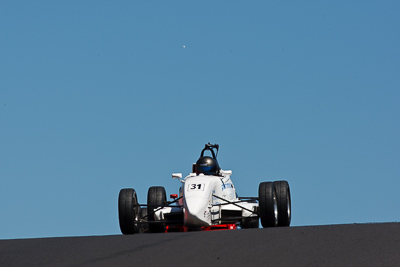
point(207, 201)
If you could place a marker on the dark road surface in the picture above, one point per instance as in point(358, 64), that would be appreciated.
point(330, 245)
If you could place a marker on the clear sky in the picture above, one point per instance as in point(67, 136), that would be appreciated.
point(96, 96)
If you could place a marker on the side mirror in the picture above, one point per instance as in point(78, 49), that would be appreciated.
point(176, 175)
point(227, 172)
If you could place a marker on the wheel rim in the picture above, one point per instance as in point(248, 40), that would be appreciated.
point(289, 210)
point(275, 208)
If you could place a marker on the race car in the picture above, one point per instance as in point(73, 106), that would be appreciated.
point(207, 201)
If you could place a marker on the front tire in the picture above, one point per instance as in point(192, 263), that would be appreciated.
point(268, 204)
point(250, 223)
point(127, 210)
point(284, 203)
point(156, 197)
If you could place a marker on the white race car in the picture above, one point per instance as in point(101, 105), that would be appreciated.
point(207, 201)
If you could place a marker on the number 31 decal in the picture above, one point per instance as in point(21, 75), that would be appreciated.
point(196, 187)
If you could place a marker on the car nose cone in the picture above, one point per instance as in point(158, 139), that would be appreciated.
point(197, 212)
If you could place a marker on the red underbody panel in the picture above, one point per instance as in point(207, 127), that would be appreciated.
point(169, 229)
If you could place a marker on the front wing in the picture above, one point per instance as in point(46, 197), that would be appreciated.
point(226, 215)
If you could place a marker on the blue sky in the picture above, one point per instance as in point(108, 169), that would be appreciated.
point(96, 96)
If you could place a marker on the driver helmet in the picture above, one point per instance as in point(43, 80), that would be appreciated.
point(207, 165)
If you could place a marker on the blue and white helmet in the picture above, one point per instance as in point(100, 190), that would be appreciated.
point(207, 166)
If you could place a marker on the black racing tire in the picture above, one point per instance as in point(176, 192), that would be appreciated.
point(284, 203)
point(268, 204)
point(250, 223)
point(144, 226)
point(156, 197)
point(127, 211)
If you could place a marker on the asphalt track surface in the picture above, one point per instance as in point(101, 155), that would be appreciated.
point(329, 245)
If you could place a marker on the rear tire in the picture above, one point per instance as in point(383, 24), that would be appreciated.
point(268, 204)
point(284, 203)
point(156, 197)
point(127, 210)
